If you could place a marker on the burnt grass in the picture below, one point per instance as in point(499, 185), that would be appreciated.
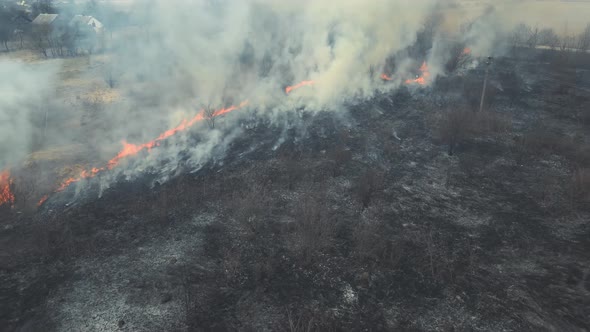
point(359, 223)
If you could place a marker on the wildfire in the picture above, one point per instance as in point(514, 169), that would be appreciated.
point(130, 149)
point(6, 195)
point(466, 51)
point(422, 79)
point(42, 200)
point(133, 149)
point(297, 86)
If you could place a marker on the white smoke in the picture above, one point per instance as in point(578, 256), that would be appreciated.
point(23, 94)
point(179, 56)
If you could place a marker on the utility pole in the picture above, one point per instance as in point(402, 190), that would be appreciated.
point(485, 83)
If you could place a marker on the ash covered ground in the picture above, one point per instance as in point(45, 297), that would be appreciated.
point(414, 213)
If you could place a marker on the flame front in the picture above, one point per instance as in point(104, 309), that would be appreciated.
point(130, 149)
point(6, 195)
point(422, 79)
point(466, 51)
point(385, 77)
point(42, 200)
point(297, 86)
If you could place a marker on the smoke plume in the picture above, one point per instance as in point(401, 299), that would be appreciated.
point(174, 58)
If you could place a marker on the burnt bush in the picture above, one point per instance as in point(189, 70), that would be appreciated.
point(374, 243)
point(542, 140)
point(309, 320)
point(472, 88)
point(459, 124)
point(454, 126)
point(314, 229)
point(581, 184)
point(250, 207)
point(338, 157)
point(459, 56)
point(368, 185)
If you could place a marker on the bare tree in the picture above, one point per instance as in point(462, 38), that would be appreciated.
point(520, 35)
point(533, 37)
point(40, 39)
point(6, 27)
point(549, 38)
point(584, 39)
point(209, 113)
point(567, 43)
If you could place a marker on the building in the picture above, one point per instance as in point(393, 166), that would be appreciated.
point(65, 35)
point(89, 32)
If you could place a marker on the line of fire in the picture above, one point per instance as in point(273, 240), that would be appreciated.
point(7, 197)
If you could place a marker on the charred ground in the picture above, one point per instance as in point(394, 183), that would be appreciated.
point(364, 223)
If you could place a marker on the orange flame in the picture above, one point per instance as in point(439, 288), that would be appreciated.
point(385, 77)
point(6, 195)
point(466, 51)
point(133, 149)
point(42, 200)
point(422, 79)
point(297, 86)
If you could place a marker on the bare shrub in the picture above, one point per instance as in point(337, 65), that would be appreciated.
point(581, 184)
point(585, 115)
point(472, 94)
point(209, 112)
point(110, 76)
point(338, 157)
point(459, 57)
point(373, 243)
point(454, 126)
point(231, 265)
point(491, 122)
point(459, 124)
point(368, 184)
point(314, 230)
point(542, 140)
point(294, 169)
point(249, 209)
point(310, 321)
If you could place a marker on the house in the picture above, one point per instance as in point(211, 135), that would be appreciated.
point(88, 30)
point(65, 35)
point(87, 23)
point(49, 23)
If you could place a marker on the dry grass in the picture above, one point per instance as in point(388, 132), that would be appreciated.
point(55, 153)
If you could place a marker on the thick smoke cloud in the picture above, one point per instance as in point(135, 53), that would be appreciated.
point(23, 89)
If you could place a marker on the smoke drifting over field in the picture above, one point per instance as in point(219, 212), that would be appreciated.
point(184, 55)
point(22, 90)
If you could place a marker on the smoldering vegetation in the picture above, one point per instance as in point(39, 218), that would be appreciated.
point(377, 197)
point(168, 62)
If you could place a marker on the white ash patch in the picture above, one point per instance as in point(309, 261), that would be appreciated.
point(133, 291)
point(349, 295)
